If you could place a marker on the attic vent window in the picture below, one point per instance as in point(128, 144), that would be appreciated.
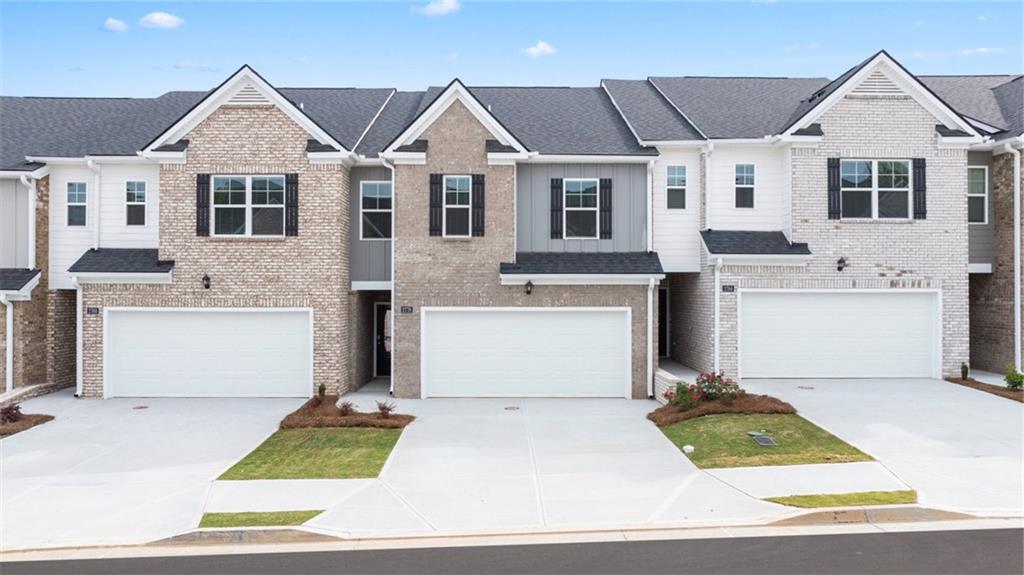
point(248, 95)
point(877, 84)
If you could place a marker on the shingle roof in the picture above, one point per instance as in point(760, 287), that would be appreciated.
point(650, 115)
point(733, 242)
point(996, 100)
point(540, 263)
point(344, 113)
point(393, 119)
point(121, 260)
point(13, 279)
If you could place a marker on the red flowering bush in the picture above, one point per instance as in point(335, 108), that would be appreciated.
point(686, 396)
point(716, 386)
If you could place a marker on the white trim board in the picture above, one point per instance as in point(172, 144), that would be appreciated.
point(579, 279)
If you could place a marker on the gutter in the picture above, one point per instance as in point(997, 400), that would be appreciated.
point(30, 183)
point(650, 206)
point(9, 347)
point(650, 345)
point(91, 164)
point(78, 336)
point(718, 310)
point(1016, 256)
point(391, 328)
point(706, 153)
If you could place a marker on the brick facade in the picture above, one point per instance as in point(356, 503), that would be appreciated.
point(991, 295)
point(307, 271)
point(437, 271)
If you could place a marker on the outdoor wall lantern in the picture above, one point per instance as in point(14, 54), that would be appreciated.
point(206, 281)
point(841, 264)
point(529, 287)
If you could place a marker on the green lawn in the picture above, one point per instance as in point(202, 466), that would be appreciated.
point(722, 441)
point(847, 499)
point(318, 453)
point(258, 519)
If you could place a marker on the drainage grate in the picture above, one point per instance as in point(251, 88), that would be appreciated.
point(765, 441)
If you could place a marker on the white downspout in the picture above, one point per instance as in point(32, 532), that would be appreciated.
point(9, 341)
point(91, 164)
point(1016, 258)
point(650, 206)
point(650, 335)
point(30, 183)
point(394, 340)
point(708, 148)
point(718, 309)
point(78, 336)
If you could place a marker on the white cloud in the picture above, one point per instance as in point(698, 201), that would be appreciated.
point(161, 20)
point(541, 48)
point(980, 50)
point(115, 25)
point(801, 47)
point(450, 56)
point(198, 66)
point(982, 18)
point(440, 7)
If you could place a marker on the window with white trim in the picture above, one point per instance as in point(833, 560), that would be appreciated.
point(248, 205)
point(135, 203)
point(458, 201)
point(676, 187)
point(875, 189)
point(77, 200)
point(744, 185)
point(581, 207)
point(375, 206)
point(977, 195)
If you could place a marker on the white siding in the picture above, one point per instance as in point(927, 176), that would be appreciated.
point(114, 232)
point(769, 183)
point(67, 244)
point(676, 232)
point(14, 220)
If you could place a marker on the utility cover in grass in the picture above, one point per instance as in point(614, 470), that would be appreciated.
point(722, 441)
point(318, 453)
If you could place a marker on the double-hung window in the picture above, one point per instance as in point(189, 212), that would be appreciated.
point(248, 205)
point(77, 200)
point(977, 195)
point(875, 189)
point(744, 185)
point(458, 201)
point(135, 203)
point(581, 209)
point(375, 203)
point(676, 188)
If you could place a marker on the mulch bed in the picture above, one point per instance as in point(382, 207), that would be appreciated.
point(748, 404)
point(1014, 394)
point(324, 413)
point(27, 421)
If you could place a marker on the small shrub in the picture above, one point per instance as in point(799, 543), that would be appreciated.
point(716, 386)
point(669, 395)
point(346, 408)
point(11, 414)
point(686, 396)
point(321, 390)
point(965, 371)
point(385, 408)
point(1014, 379)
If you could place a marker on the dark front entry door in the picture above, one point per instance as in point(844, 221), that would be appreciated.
point(382, 357)
point(662, 322)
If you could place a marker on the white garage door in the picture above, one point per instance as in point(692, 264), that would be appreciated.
point(834, 334)
point(530, 352)
point(210, 353)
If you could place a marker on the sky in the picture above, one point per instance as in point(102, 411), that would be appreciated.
point(143, 49)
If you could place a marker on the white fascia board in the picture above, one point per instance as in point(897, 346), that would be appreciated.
point(762, 259)
point(998, 146)
point(686, 144)
point(25, 293)
point(329, 157)
point(371, 286)
point(911, 85)
point(505, 158)
point(56, 161)
point(579, 279)
point(122, 278)
point(34, 174)
point(979, 268)
point(982, 125)
point(800, 141)
point(587, 159)
point(222, 93)
point(961, 142)
point(165, 157)
point(407, 158)
point(135, 159)
point(455, 91)
point(764, 141)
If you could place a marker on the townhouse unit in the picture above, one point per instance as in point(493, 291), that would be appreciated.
point(511, 241)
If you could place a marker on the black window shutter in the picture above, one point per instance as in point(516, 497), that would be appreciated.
point(436, 203)
point(478, 205)
point(920, 189)
point(606, 208)
point(291, 204)
point(834, 203)
point(556, 208)
point(202, 204)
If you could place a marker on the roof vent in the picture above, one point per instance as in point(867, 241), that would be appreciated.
point(877, 84)
point(248, 95)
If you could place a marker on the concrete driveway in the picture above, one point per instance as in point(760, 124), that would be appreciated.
point(962, 449)
point(105, 472)
point(534, 464)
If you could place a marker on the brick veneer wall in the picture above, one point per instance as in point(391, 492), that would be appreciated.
point(310, 270)
point(991, 294)
point(437, 271)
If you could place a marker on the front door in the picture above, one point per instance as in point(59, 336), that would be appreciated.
point(382, 357)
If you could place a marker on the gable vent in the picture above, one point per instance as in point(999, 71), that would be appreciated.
point(248, 95)
point(877, 83)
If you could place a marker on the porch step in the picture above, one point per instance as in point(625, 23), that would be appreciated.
point(19, 394)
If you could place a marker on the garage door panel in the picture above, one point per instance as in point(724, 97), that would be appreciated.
point(523, 353)
point(835, 334)
point(208, 354)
